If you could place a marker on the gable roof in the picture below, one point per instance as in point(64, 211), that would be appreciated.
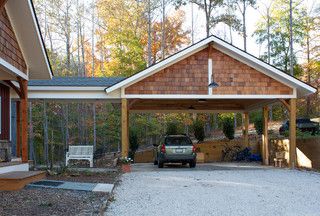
point(78, 81)
point(24, 22)
point(228, 49)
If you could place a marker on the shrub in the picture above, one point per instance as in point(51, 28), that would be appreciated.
point(258, 125)
point(228, 126)
point(172, 128)
point(198, 129)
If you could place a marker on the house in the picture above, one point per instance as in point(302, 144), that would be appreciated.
point(23, 58)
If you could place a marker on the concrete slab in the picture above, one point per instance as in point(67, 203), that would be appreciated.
point(81, 186)
point(103, 188)
point(77, 186)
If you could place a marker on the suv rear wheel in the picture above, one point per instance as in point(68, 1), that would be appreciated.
point(192, 164)
point(160, 165)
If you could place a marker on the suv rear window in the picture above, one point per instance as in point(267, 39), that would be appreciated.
point(174, 141)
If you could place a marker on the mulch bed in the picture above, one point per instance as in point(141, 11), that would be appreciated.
point(43, 201)
point(90, 177)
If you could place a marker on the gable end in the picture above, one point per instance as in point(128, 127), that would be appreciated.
point(9, 47)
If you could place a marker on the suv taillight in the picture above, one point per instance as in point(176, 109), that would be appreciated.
point(193, 149)
point(163, 148)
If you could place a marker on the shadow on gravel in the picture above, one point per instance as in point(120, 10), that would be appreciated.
point(199, 167)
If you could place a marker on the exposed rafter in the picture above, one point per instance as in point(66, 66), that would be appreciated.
point(14, 87)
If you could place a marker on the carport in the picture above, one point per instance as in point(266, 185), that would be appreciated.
point(211, 76)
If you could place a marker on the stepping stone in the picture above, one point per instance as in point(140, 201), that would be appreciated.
point(103, 188)
point(80, 186)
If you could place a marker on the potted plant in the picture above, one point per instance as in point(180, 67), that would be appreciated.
point(125, 164)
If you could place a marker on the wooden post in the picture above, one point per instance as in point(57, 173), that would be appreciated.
point(265, 145)
point(246, 129)
point(124, 128)
point(292, 133)
point(24, 119)
point(18, 129)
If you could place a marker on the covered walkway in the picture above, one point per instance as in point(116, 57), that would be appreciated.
point(209, 76)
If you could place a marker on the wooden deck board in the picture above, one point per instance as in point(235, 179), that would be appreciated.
point(17, 180)
point(19, 175)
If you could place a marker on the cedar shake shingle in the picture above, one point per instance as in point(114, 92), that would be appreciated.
point(190, 76)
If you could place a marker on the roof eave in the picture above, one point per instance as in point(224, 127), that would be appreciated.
point(25, 24)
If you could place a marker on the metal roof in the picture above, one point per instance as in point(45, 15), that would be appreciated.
point(77, 81)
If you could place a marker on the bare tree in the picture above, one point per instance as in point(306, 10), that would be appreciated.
point(32, 152)
point(92, 37)
point(45, 133)
point(243, 6)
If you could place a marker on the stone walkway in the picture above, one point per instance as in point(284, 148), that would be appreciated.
point(94, 187)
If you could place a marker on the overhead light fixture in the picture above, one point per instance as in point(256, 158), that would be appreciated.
point(202, 101)
point(213, 85)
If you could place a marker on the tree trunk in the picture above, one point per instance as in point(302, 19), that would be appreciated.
point(32, 153)
point(192, 24)
point(94, 126)
point(291, 41)
point(92, 38)
point(78, 39)
point(67, 35)
point(244, 27)
point(45, 131)
point(308, 110)
point(163, 29)
point(149, 34)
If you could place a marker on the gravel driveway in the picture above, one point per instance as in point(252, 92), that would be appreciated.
point(216, 189)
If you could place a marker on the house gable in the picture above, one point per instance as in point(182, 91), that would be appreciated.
point(190, 76)
point(235, 77)
point(9, 48)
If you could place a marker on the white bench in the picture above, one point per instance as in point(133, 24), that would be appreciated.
point(80, 153)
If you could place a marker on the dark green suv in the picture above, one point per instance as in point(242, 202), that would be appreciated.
point(175, 149)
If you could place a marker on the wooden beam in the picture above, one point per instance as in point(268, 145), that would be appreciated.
point(2, 3)
point(246, 129)
point(265, 144)
point(24, 118)
point(15, 88)
point(132, 102)
point(286, 104)
point(124, 128)
point(18, 128)
point(292, 133)
point(23, 87)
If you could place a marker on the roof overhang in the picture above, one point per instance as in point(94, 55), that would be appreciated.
point(302, 88)
point(25, 25)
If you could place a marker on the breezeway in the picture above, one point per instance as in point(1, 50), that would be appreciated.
point(216, 189)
